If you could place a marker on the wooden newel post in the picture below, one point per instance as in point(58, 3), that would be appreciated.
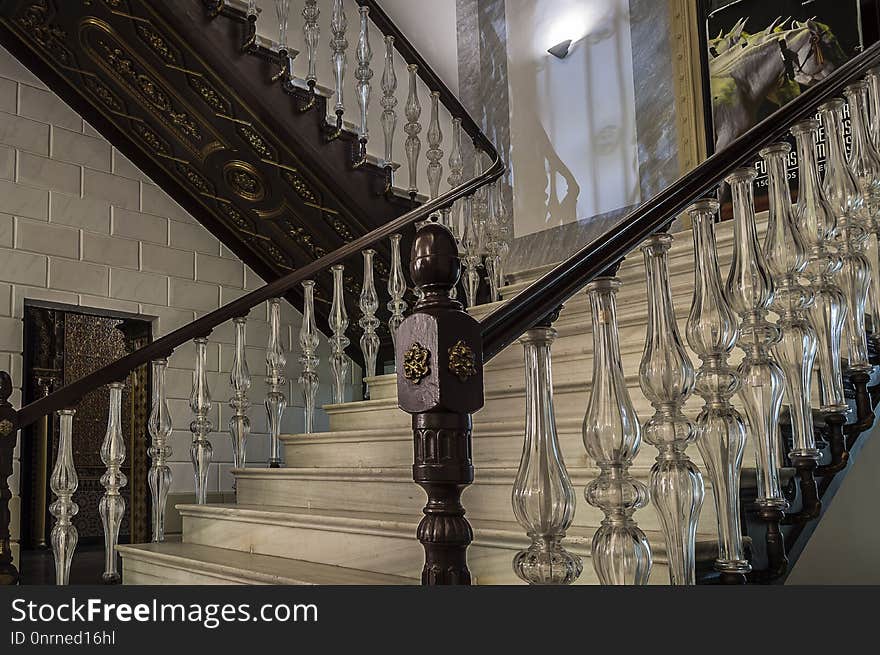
point(440, 382)
point(8, 430)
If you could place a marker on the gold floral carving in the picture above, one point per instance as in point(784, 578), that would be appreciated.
point(462, 361)
point(416, 366)
point(244, 180)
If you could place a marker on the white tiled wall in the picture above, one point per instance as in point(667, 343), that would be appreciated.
point(81, 225)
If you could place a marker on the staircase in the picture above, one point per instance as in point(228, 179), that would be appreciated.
point(345, 498)
point(622, 403)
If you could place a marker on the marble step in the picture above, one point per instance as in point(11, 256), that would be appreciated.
point(392, 490)
point(198, 564)
point(380, 541)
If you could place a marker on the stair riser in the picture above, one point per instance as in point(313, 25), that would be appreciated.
point(482, 500)
point(391, 554)
point(136, 572)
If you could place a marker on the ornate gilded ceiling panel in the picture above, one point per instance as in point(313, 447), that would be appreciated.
point(263, 187)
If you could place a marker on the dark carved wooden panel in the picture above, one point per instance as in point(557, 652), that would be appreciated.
point(170, 87)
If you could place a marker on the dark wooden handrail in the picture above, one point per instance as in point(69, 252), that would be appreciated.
point(70, 395)
point(506, 324)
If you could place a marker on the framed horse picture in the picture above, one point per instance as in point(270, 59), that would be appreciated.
point(758, 55)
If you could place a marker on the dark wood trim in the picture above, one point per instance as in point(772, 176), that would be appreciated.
point(506, 324)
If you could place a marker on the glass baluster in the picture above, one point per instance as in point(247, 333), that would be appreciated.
point(413, 129)
point(369, 304)
point(666, 377)
point(312, 32)
point(543, 497)
point(364, 74)
point(309, 341)
point(721, 431)
point(389, 110)
point(240, 383)
point(841, 190)
point(621, 554)
point(201, 452)
point(452, 215)
point(112, 504)
point(435, 151)
point(396, 289)
point(338, 47)
point(276, 396)
point(159, 426)
point(339, 341)
point(63, 483)
point(786, 255)
point(750, 291)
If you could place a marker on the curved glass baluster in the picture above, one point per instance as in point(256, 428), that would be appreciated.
point(112, 504)
point(621, 554)
point(786, 255)
point(666, 377)
point(201, 451)
point(543, 496)
point(312, 32)
point(338, 342)
point(435, 151)
point(159, 427)
point(751, 292)
point(364, 74)
point(721, 431)
point(309, 341)
point(396, 289)
point(240, 382)
point(841, 190)
point(276, 396)
point(412, 128)
point(389, 102)
point(282, 10)
point(338, 47)
point(64, 483)
point(369, 303)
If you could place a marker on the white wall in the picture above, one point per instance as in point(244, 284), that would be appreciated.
point(573, 132)
point(80, 225)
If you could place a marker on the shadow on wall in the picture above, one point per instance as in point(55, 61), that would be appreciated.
point(574, 147)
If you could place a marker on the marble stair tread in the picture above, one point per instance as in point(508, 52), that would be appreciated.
point(490, 533)
point(232, 566)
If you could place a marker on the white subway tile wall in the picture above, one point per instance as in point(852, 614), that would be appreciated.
point(81, 225)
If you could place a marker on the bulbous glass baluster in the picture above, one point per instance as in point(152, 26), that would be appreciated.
point(666, 377)
point(369, 303)
point(338, 342)
point(240, 382)
point(396, 290)
point(63, 484)
point(312, 32)
point(159, 426)
point(816, 222)
point(786, 255)
point(112, 504)
point(435, 152)
point(276, 396)
point(201, 451)
point(621, 554)
point(751, 292)
point(364, 74)
point(846, 202)
point(720, 430)
point(389, 101)
point(338, 47)
point(282, 10)
point(471, 244)
point(412, 128)
point(864, 163)
point(543, 496)
point(309, 341)
point(456, 176)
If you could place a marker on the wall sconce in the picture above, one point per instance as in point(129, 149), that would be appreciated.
point(560, 50)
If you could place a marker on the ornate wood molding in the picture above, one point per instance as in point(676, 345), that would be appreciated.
point(685, 37)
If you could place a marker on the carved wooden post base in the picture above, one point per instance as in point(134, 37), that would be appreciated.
point(837, 440)
point(811, 505)
point(8, 429)
point(443, 468)
point(440, 382)
point(864, 406)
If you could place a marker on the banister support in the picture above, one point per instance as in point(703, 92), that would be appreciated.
point(8, 430)
point(440, 383)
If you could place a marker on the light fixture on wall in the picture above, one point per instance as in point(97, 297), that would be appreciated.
point(560, 50)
